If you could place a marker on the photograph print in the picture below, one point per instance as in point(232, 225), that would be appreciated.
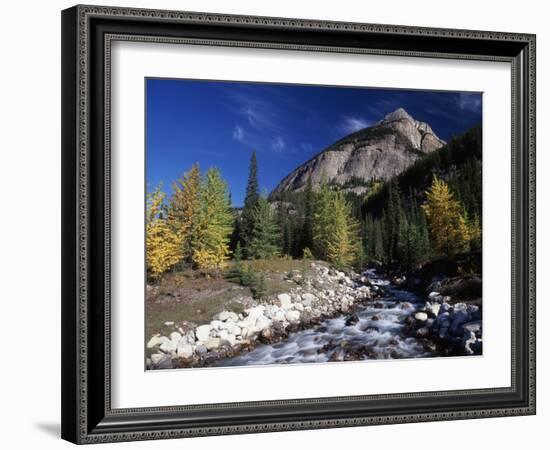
point(304, 224)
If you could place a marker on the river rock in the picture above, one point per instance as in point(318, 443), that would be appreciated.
point(165, 362)
point(475, 312)
point(157, 339)
point(285, 301)
point(422, 332)
point(458, 319)
point(156, 357)
point(212, 343)
point(200, 349)
point(308, 299)
point(421, 316)
point(169, 346)
point(267, 335)
point(227, 315)
point(474, 326)
point(460, 307)
point(255, 313)
point(352, 320)
point(184, 351)
point(293, 316)
point(175, 336)
point(215, 324)
point(433, 308)
point(202, 332)
point(262, 323)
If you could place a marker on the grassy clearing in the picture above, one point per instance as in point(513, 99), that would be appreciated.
point(189, 295)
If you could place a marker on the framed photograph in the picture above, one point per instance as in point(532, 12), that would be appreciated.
point(280, 224)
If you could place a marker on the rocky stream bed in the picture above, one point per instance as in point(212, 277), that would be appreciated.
point(333, 316)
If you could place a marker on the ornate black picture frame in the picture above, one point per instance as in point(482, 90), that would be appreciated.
point(87, 34)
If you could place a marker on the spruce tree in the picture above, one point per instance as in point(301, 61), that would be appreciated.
point(307, 230)
point(264, 240)
point(259, 289)
point(236, 272)
point(250, 201)
point(378, 241)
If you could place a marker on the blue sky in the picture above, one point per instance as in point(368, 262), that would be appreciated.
point(220, 123)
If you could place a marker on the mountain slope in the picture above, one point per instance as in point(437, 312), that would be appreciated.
point(374, 153)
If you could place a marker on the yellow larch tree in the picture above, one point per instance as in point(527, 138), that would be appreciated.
point(163, 244)
point(335, 231)
point(183, 207)
point(448, 227)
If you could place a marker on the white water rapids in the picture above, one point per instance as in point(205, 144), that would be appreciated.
point(378, 334)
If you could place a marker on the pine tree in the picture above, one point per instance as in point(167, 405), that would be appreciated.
point(393, 218)
point(378, 241)
point(183, 206)
point(259, 289)
point(474, 228)
point(322, 222)
point(236, 272)
point(248, 277)
point(423, 236)
point(213, 224)
point(250, 201)
point(408, 248)
point(307, 230)
point(448, 227)
point(264, 238)
point(163, 243)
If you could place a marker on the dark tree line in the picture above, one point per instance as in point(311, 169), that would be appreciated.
point(393, 226)
point(396, 230)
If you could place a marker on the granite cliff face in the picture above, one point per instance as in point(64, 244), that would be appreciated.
point(378, 152)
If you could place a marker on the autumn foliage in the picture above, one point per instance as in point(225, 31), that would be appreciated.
point(449, 229)
point(163, 242)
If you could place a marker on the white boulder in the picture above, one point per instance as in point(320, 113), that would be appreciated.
point(293, 316)
point(157, 339)
point(285, 301)
point(184, 351)
point(421, 316)
point(202, 332)
point(227, 315)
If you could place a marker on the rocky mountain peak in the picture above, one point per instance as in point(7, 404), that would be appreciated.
point(374, 153)
point(398, 114)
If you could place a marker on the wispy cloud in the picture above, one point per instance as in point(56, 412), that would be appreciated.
point(256, 111)
point(306, 146)
point(278, 144)
point(351, 124)
point(469, 101)
point(238, 133)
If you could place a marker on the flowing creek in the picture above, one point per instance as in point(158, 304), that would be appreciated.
point(379, 333)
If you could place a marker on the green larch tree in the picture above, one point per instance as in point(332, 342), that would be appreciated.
point(213, 223)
